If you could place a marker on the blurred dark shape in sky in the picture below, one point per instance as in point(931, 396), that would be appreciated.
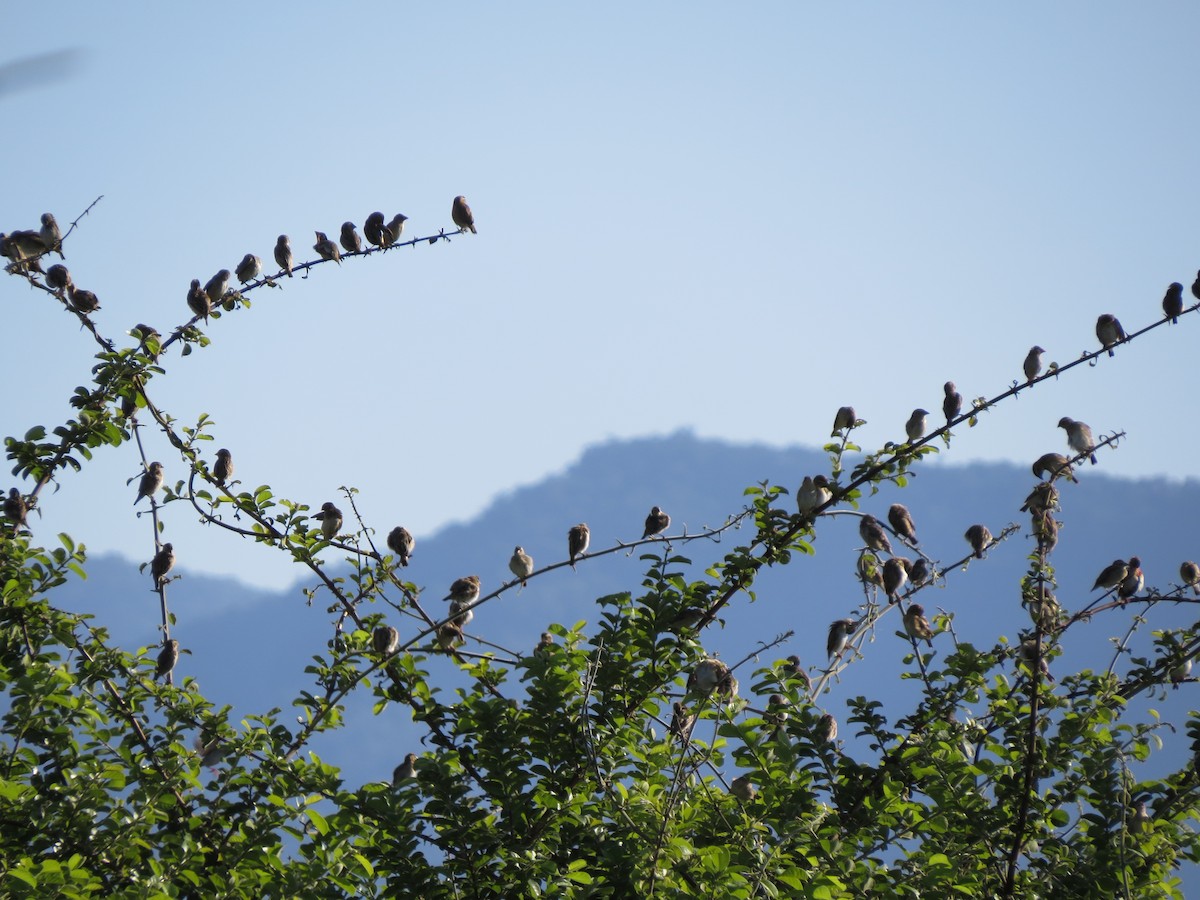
point(40, 70)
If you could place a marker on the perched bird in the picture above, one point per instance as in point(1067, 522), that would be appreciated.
point(902, 522)
point(919, 573)
point(1139, 820)
point(545, 642)
point(1079, 437)
point(916, 625)
point(915, 426)
point(149, 340)
point(465, 590)
point(813, 493)
point(461, 214)
point(578, 539)
point(681, 721)
point(978, 537)
point(449, 636)
point(283, 254)
point(351, 242)
point(1045, 529)
point(223, 467)
point(1179, 674)
point(873, 534)
point(656, 523)
point(839, 635)
point(1196, 287)
point(869, 569)
point(1112, 575)
point(330, 518)
point(83, 301)
point(249, 268)
point(1189, 573)
point(167, 657)
point(1173, 301)
point(400, 541)
point(1133, 582)
point(521, 565)
point(327, 249)
point(58, 278)
point(393, 229)
point(1054, 465)
point(385, 639)
point(152, 480)
point(1029, 654)
point(952, 405)
point(217, 285)
point(162, 563)
point(827, 729)
point(406, 771)
point(24, 245)
point(373, 229)
point(1033, 363)
point(895, 576)
point(1042, 499)
point(742, 788)
point(50, 235)
point(1109, 332)
point(461, 613)
point(198, 301)
point(16, 508)
point(842, 420)
point(712, 675)
point(793, 669)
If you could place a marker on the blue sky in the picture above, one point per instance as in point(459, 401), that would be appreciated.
point(727, 219)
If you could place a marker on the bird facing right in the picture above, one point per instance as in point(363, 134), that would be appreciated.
point(461, 214)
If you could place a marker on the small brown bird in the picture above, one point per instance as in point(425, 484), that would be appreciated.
point(406, 771)
point(1173, 301)
point(149, 340)
point(465, 590)
point(461, 214)
point(327, 249)
point(197, 300)
point(656, 523)
point(210, 748)
point(50, 235)
point(839, 635)
point(1112, 575)
point(1045, 529)
point(827, 729)
point(400, 541)
point(919, 573)
point(1079, 437)
point(1055, 465)
point(16, 509)
point(1179, 674)
point(1196, 287)
point(952, 405)
point(578, 539)
point(902, 523)
point(163, 562)
point(1042, 499)
point(283, 255)
point(793, 669)
point(83, 301)
point(843, 420)
point(545, 642)
point(393, 229)
point(978, 537)
point(742, 788)
point(895, 576)
point(223, 467)
point(350, 240)
point(450, 636)
point(1028, 652)
point(813, 493)
point(711, 675)
point(330, 518)
point(373, 229)
point(681, 721)
point(216, 287)
point(1189, 573)
point(916, 625)
point(58, 278)
point(521, 565)
point(1109, 332)
point(915, 426)
point(168, 656)
point(249, 268)
point(1133, 582)
point(873, 534)
point(151, 481)
point(385, 639)
point(1033, 363)
point(461, 614)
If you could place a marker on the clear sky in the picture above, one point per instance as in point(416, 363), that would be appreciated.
point(728, 218)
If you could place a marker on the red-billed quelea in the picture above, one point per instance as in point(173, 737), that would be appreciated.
point(839, 635)
point(919, 573)
point(521, 565)
point(385, 639)
point(327, 249)
point(915, 426)
point(349, 238)
point(1189, 574)
point(578, 539)
point(393, 229)
point(1179, 674)
point(1109, 332)
point(873, 534)
point(978, 537)
point(1196, 287)
point(813, 493)
point(1055, 465)
point(50, 235)
point(827, 729)
point(656, 523)
point(163, 562)
point(1045, 529)
point(461, 613)
point(793, 669)
point(223, 467)
point(916, 625)
point(902, 522)
point(1133, 582)
point(1042, 499)
point(198, 301)
point(373, 229)
point(461, 214)
point(1112, 575)
point(58, 278)
point(330, 518)
point(1079, 437)
point(16, 509)
point(249, 268)
point(465, 590)
point(150, 482)
point(1033, 363)
point(449, 636)
point(681, 721)
point(1173, 301)
point(400, 541)
point(283, 254)
point(406, 771)
point(168, 656)
point(743, 788)
point(843, 420)
point(895, 576)
point(217, 285)
point(83, 301)
point(712, 675)
point(952, 404)
point(1029, 655)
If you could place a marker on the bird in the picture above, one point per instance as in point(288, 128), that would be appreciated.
point(1196, 287)
point(681, 721)
point(978, 537)
point(894, 578)
point(465, 590)
point(1029, 653)
point(915, 426)
point(1054, 465)
point(461, 214)
point(813, 493)
point(902, 522)
point(521, 564)
point(1112, 575)
point(152, 480)
point(83, 301)
point(406, 771)
point(162, 563)
point(21, 246)
point(1139, 820)
point(50, 235)
point(327, 249)
point(919, 572)
point(1173, 301)
point(1133, 582)
point(400, 541)
point(216, 286)
point(249, 268)
point(1033, 363)
point(461, 613)
point(373, 229)
point(839, 635)
point(843, 420)
point(1189, 574)
point(712, 675)
point(393, 229)
point(149, 340)
point(385, 639)
point(742, 788)
point(223, 467)
point(1045, 529)
point(58, 278)
point(1042, 499)
point(952, 405)
point(283, 254)
point(1079, 437)
point(873, 534)
point(351, 242)
point(198, 301)
point(827, 729)
point(1109, 332)
point(330, 518)
point(656, 523)
point(545, 642)
point(449, 636)
point(793, 669)
point(16, 508)
point(578, 539)
point(1180, 673)
point(916, 625)
point(167, 658)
